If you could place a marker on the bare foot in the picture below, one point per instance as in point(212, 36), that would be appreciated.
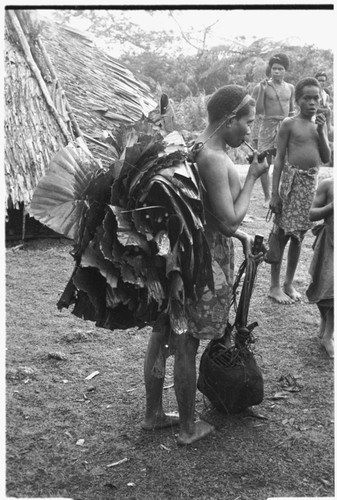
point(160, 421)
point(327, 343)
point(279, 296)
point(293, 294)
point(201, 429)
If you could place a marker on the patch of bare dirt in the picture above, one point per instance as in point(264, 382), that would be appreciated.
point(81, 439)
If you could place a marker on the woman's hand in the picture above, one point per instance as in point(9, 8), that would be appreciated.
point(247, 245)
point(256, 169)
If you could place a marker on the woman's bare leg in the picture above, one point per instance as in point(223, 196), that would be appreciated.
point(185, 387)
point(155, 418)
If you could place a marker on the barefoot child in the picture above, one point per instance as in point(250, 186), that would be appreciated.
point(301, 147)
point(320, 290)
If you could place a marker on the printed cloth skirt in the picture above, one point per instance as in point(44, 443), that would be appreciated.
point(207, 318)
point(297, 192)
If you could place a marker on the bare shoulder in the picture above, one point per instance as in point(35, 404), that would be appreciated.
point(213, 163)
point(209, 157)
point(288, 123)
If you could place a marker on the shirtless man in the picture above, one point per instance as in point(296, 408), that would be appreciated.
point(231, 112)
point(275, 101)
point(302, 146)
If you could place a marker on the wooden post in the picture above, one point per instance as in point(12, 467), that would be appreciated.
point(23, 229)
point(37, 74)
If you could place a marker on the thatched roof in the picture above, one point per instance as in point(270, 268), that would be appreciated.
point(59, 85)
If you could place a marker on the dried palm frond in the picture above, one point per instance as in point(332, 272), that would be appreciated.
point(139, 244)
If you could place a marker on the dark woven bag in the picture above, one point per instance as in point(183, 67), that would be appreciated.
point(230, 377)
point(228, 374)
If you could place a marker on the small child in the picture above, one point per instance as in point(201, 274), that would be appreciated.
point(302, 146)
point(320, 290)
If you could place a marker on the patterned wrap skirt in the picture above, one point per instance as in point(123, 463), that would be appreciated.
point(207, 318)
point(269, 128)
point(297, 192)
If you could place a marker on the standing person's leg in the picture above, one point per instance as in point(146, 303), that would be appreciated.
point(275, 291)
point(327, 314)
point(323, 321)
point(155, 418)
point(185, 384)
point(292, 262)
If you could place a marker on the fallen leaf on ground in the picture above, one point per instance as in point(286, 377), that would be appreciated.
point(92, 375)
point(279, 395)
point(118, 463)
point(59, 356)
point(165, 447)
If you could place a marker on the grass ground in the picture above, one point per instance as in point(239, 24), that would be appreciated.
point(65, 433)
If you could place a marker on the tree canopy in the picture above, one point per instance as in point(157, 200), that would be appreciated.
point(161, 57)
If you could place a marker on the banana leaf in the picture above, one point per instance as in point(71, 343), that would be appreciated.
point(139, 243)
point(58, 200)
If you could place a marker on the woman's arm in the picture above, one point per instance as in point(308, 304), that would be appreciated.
point(227, 212)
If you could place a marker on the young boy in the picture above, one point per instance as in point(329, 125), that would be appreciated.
point(275, 101)
point(302, 146)
point(320, 290)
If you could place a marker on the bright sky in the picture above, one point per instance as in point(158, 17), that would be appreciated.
point(309, 26)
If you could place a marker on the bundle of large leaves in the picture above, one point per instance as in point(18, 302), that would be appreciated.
point(140, 248)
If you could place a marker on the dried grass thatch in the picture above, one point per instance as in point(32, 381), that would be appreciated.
point(59, 86)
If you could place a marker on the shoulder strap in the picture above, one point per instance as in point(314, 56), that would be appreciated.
point(277, 95)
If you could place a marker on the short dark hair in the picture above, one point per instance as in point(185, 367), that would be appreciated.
point(321, 73)
point(225, 100)
point(309, 81)
point(279, 59)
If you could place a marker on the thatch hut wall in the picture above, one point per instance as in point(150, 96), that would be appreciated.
point(31, 130)
point(59, 85)
point(102, 92)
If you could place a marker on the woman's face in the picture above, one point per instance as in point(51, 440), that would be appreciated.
point(241, 128)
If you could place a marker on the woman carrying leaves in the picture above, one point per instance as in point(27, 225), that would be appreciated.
point(231, 112)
